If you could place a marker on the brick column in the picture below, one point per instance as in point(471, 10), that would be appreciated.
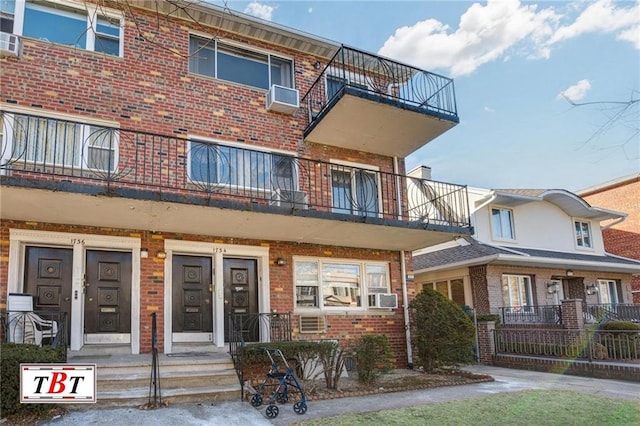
point(486, 344)
point(572, 317)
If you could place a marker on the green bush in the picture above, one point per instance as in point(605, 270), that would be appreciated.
point(12, 356)
point(442, 334)
point(488, 317)
point(620, 325)
point(373, 357)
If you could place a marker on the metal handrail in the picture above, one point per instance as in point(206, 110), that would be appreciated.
point(72, 156)
point(543, 314)
point(594, 313)
point(41, 328)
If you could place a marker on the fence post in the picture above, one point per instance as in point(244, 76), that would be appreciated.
point(572, 317)
point(486, 343)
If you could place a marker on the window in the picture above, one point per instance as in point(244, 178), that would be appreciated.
point(7, 13)
point(226, 165)
point(335, 84)
point(609, 292)
point(337, 284)
point(583, 234)
point(355, 191)
point(502, 223)
point(452, 289)
point(61, 143)
point(516, 291)
point(67, 25)
point(237, 64)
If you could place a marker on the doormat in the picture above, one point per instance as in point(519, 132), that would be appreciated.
point(77, 357)
point(185, 354)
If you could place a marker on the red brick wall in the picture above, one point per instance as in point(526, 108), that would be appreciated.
point(344, 326)
point(622, 239)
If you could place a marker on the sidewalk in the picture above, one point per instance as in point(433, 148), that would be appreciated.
point(238, 413)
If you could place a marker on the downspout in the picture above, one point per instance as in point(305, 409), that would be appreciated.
point(403, 273)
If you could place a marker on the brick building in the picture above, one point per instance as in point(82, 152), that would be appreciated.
point(197, 163)
point(620, 238)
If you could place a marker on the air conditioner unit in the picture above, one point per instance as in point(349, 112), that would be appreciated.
point(9, 44)
point(290, 199)
point(282, 99)
point(312, 324)
point(383, 300)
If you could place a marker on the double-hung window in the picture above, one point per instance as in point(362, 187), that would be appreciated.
point(583, 234)
point(54, 142)
point(517, 291)
point(502, 223)
point(238, 64)
point(608, 292)
point(355, 191)
point(337, 284)
point(84, 27)
point(212, 163)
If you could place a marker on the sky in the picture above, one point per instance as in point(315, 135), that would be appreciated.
point(548, 93)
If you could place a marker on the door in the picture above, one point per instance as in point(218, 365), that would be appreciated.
point(192, 299)
point(48, 276)
point(241, 298)
point(107, 298)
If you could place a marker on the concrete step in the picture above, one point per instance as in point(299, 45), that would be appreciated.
point(140, 395)
point(168, 380)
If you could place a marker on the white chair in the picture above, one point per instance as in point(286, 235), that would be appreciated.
point(30, 328)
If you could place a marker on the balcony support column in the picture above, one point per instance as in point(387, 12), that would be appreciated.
point(405, 308)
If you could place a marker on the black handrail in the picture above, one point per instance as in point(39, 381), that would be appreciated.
point(154, 381)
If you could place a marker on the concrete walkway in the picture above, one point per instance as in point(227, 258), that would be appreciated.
point(238, 413)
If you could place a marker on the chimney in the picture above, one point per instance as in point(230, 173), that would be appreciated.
point(421, 172)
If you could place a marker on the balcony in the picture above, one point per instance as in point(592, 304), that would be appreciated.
point(60, 171)
point(364, 102)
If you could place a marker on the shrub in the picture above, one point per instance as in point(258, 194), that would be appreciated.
point(442, 334)
point(488, 317)
point(620, 325)
point(12, 356)
point(373, 357)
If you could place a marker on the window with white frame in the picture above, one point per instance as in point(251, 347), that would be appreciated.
point(453, 289)
point(608, 292)
point(583, 233)
point(238, 64)
point(332, 284)
point(355, 191)
point(69, 23)
point(48, 141)
point(232, 166)
point(502, 223)
point(517, 291)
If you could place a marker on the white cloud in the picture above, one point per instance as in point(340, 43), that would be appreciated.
point(576, 92)
point(501, 29)
point(489, 109)
point(259, 10)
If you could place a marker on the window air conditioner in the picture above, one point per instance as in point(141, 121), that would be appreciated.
point(312, 324)
point(290, 199)
point(383, 300)
point(9, 44)
point(282, 99)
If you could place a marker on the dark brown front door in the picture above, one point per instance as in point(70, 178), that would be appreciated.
point(48, 275)
point(241, 297)
point(573, 288)
point(192, 295)
point(107, 303)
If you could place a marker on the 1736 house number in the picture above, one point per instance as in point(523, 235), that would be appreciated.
point(219, 250)
point(77, 241)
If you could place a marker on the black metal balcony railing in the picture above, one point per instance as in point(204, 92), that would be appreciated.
point(40, 328)
point(546, 314)
point(410, 87)
point(38, 151)
point(611, 312)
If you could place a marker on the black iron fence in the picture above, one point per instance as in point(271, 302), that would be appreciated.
point(611, 312)
point(546, 314)
point(592, 345)
point(381, 77)
point(253, 328)
point(37, 151)
point(41, 328)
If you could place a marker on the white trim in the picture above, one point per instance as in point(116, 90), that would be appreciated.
point(217, 251)
point(206, 139)
point(80, 243)
point(356, 165)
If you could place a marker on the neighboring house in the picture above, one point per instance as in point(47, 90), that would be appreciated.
point(531, 249)
point(622, 239)
point(197, 164)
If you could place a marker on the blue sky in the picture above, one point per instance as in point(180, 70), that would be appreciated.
point(511, 61)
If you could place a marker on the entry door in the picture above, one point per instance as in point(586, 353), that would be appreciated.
point(48, 276)
point(107, 298)
point(241, 297)
point(573, 288)
point(192, 298)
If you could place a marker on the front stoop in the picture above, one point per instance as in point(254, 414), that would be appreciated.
point(125, 380)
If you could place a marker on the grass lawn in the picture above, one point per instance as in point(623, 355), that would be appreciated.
point(536, 407)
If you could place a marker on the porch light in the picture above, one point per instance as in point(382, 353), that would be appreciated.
point(569, 272)
point(592, 289)
point(281, 261)
point(552, 287)
point(161, 255)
